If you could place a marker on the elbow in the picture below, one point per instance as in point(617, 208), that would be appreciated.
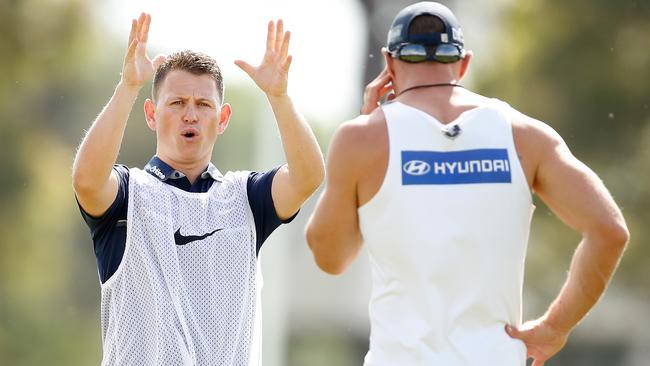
point(80, 183)
point(329, 265)
point(615, 234)
point(619, 235)
point(330, 268)
point(325, 258)
point(83, 183)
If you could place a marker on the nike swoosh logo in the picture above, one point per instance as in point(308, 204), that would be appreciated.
point(182, 239)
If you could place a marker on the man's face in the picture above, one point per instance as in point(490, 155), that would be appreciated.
point(187, 117)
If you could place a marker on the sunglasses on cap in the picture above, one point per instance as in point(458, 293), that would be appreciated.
point(413, 53)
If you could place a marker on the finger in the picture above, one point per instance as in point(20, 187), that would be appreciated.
point(537, 363)
point(270, 36)
point(371, 98)
point(140, 23)
point(378, 84)
point(279, 35)
point(382, 78)
point(382, 74)
point(285, 46)
point(512, 331)
point(159, 60)
point(287, 64)
point(134, 27)
point(248, 69)
point(391, 96)
point(130, 52)
point(144, 33)
point(141, 49)
point(383, 91)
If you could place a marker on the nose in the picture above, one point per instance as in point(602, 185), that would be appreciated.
point(190, 115)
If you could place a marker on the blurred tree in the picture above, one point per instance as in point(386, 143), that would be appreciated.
point(42, 320)
point(582, 67)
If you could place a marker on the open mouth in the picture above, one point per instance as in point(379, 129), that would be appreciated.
point(190, 134)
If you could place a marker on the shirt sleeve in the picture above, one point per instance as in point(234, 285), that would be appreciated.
point(260, 200)
point(108, 231)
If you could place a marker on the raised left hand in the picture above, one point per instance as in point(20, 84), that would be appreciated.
point(272, 74)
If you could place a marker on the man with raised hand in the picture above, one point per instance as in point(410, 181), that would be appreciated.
point(177, 243)
point(437, 184)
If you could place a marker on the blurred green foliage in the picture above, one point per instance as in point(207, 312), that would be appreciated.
point(583, 68)
point(44, 314)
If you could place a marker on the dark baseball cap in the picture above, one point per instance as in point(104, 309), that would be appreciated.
point(399, 30)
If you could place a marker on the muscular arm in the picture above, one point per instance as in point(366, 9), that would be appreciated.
point(579, 198)
point(333, 232)
point(359, 147)
point(93, 179)
point(304, 171)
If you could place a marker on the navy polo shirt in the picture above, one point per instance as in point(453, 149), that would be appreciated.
point(109, 230)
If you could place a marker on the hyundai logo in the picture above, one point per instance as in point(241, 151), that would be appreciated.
point(417, 167)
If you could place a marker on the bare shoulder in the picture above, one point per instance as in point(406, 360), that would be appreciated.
point(533, 131)
point(535, 142)
point(358, 154)
point(361, 138)
point(362, 130)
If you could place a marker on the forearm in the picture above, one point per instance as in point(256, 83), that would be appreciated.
point(304, 157)
point(592, 266)
point(332, 243)
point(100, 147)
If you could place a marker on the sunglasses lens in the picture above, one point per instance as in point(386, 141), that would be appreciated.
point(447, 53)
point(413, 53)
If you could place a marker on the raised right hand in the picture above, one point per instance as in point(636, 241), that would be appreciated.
point(375, 90)
point(138, 68)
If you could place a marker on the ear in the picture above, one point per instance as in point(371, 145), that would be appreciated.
point(390, 62)
point(224, 118)
point(150, 114)
point(464, 64)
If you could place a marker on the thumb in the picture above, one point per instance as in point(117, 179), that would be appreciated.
point(513, 331)
point(246, 67)
point(159, 60)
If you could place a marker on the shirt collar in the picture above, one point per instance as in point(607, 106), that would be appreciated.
point(164, 171)
point(212, 172)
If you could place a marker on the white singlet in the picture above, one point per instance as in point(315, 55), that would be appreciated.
point(447, 234)
point(188, 288)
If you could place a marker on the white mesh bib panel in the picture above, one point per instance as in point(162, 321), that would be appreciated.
point(187, 289)
point(447, 234)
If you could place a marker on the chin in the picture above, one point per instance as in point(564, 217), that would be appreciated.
point(188, 155)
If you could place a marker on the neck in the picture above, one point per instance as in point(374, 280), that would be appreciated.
point(423, 86)
point(410, 82)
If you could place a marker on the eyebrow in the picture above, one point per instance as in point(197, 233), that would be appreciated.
point(200, 99)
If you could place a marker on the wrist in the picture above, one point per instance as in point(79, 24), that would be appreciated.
point(129, 89)
point(556, 325)
point(278, 98)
